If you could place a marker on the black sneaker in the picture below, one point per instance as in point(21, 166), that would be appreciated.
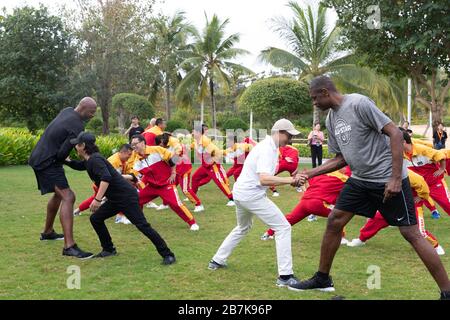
point(169, 260)
point(445, 295)
point(76, 252)
point(105, 253)
point(51, 236)
point(315, 283)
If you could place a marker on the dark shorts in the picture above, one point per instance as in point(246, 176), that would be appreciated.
point(366, 198)
point(51, 177)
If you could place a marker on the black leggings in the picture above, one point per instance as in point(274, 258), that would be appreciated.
point(316, 153)
point(134, 213)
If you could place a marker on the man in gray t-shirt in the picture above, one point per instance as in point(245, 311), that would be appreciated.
point(364, 138)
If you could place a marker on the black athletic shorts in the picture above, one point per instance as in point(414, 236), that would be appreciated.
point(365, 198)
point(51, 177)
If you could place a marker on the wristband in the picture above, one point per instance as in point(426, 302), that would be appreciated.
point(97, 200)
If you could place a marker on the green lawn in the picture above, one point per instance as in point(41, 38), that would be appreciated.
point(30, 269)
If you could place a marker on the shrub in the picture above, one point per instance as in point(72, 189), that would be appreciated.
point(127, 104)
point(235, 123)
point(173, 125)
point(304, 151)
point(95, 125)
point(274, 98)
point(16, 145)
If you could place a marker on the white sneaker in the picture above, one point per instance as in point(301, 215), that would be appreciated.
point(125, 220)
point(186, 200)
point(275, 194)
point(194, 227)
point(312, 218)
point(151, 205)
point(118, 219)
point(231, 203)
point(162, 207)
point(266, 237)
point(355, 243)
point(439, 250)
point(199, 208)
point(299, 189)
point(76, 212)
point(344, 241)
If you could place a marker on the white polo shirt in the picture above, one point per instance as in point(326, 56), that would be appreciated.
point(263, 158)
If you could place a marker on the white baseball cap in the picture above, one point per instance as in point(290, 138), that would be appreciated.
point(285, 125)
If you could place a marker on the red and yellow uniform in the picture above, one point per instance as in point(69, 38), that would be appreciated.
point(210, 169)
point(183, 169)
point(151, 134)
point(287, 165)
point(420, 189)
point(287, 160)
point(318, 199)
point(423, 161)
point(239, 152)
point(155, 171)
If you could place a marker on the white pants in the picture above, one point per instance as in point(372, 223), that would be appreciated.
point(272, 216)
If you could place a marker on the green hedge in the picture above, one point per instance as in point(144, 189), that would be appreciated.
point(304, 151)
point(16, 145)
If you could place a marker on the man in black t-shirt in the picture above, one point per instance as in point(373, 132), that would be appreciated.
point(47, 160)
point(134, 128)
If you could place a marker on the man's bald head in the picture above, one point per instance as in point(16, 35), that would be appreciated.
point(86, 108)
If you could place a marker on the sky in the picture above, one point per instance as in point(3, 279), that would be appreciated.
point(249, 18)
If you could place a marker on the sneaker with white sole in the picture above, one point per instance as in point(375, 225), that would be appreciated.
point(286, 282)
point(162, 207)
point(212, 265)
point(194, 227)
point(199, 208)
point(275, 194)
point(344, 241)
point(266, 236)
point(125, 220)
point(186, 200)
point(118, 219)
point(355, 243)
point(315, 283)
point(230, 203)
point(151, 205)
point(312, 218)
point(439, 250)
point(76, 212)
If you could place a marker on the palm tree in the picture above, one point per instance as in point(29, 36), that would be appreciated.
point(208, 62)
point(169, 39)
point(313, 52)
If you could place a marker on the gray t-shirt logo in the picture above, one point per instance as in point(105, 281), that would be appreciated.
point(342, 131)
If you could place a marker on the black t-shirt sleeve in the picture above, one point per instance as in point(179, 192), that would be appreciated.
point(76, 165)
point(100, 170)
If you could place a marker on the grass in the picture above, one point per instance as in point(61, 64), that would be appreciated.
point(30, 269)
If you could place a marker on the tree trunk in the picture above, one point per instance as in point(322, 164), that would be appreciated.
point(121, 120)
point(167, 85)
point(316, 116)
point(213, 104)
point(104, 99)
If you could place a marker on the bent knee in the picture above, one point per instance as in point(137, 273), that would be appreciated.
point(411, 233)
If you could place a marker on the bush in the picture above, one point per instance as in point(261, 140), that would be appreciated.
point(235, 123)
point(16, 145)
point(95, 125)
point(173, 125)
point(275, 98)
point(304, 151)
point(126, 105)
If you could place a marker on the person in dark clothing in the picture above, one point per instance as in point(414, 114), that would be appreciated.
point(439, 137)
point(47, 160)
point(120, 196)
point(134, 128)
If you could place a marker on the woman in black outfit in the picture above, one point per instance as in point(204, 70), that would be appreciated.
point(439, 137)
point(120, 195)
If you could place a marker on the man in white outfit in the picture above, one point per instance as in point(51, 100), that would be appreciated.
point(249, 193)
